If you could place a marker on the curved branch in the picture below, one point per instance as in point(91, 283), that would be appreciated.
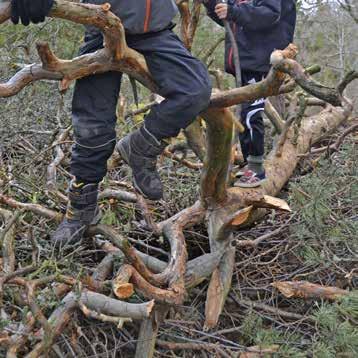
point(297, 72)
point(128, 273)
point(7, 237)
point(115, 56)
point(26, 76)
point(348, 78)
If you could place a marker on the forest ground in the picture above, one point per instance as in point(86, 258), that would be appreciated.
point(316, 243)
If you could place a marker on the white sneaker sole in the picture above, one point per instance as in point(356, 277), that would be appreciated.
point(250, 185)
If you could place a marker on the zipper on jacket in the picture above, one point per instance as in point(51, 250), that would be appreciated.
point(148, 11)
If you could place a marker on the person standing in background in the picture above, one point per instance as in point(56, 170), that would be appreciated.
point(260, 27)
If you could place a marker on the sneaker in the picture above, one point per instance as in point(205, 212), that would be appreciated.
point(241, 172)
point(251, 179)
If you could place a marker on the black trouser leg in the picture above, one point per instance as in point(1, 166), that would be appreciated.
point(94, 119)
point(182, 79)
point(252, 141)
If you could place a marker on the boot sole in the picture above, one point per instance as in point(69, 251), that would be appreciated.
point(250, 186)
point(123, 154)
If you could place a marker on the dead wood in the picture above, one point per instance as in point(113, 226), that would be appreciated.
point(147, 214)
point(174, 296)
point(306, 290)
point(7, 237)
point(149, 331)
point(183, 161)
point(337, 144)
point(274, 117)
point(117, 194)
point(222, 208)
point(119, 321)
point(219, 288)
point(52, 167)
point(116, 56)
point(195, 137)
point(35, 208)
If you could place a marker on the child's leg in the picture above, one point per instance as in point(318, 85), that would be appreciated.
point(185, 84)
point(253, 139)
point(183, 81)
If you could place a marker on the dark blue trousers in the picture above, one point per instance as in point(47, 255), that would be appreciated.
point(182, 80)
point(252, 141)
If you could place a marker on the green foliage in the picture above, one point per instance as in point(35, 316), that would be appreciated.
point(348, 306)
point(3, 323)
point(336, 331)
point(109, 218)
point(322, 212)
point(250, 326)
point(321, 350)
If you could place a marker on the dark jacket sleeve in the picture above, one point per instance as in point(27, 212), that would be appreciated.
point(256, 14)
point(210, 7)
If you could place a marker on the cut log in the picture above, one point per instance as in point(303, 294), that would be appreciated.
point(307, 290)
point(270, 202)
point(111, 307)
point(219, 288)
point(149, 331)
point(174, 296)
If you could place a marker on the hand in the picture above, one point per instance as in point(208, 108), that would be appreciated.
point(30, 10)
point(221, 10)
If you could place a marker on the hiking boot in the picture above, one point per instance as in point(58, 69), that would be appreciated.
point(140, 152)
point(251, 179)
point(82, 211)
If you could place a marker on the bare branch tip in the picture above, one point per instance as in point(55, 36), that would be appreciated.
point(106, 7)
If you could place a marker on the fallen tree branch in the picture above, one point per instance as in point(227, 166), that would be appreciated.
point(183, 161)
point(348, 78)
point(7, 237)
point(337, 144)
point(297, 72)
point(219, 287)
point(266, 308)
point(259, 240)
point(195, 138)
point(34, 208)
point(118, 194)
point(174, 346)
point(115, 56)
point(93, 301)
point(128, 273)
point(274, 117)
point(148, 332)
point(118, 321)
point(147, 214)
point(303, 289)
point(52, 167)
